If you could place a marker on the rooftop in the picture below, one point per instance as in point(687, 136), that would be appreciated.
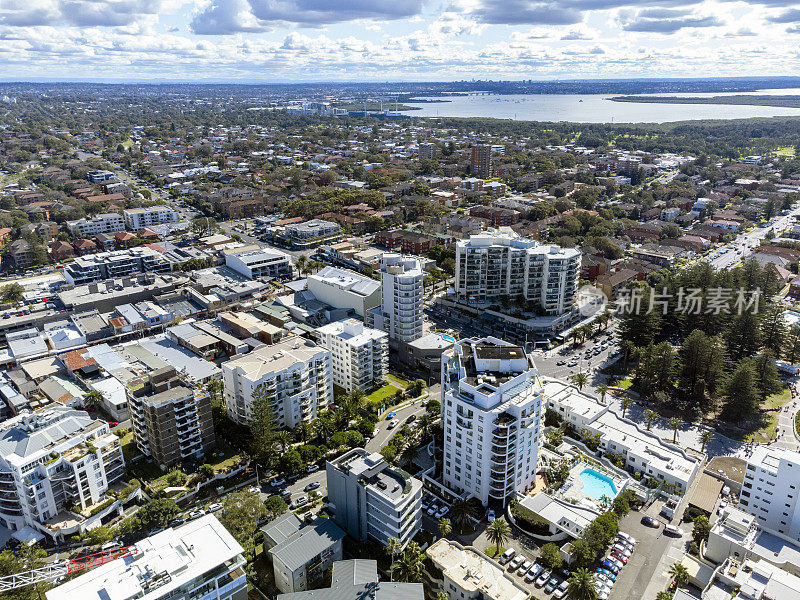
point(277, 357)
point(306, 542)
point(358, 579)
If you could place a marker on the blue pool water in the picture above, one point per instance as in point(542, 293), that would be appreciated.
point(448, 338)
point(596, 485)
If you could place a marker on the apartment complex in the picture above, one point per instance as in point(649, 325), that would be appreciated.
point(373, 499)
point(770, 490)
point(400, 310)
point(499, 264)
point(345, 289)
point(197, 560)
point(137, 218)
point(353, 579)
point(469, 575)
point(300, 552)
point(480, 164)
point(311, 233)
point(117, 263)
point(296, 376)
point(359, 354)
point(491, 415)
point(102, 223)
point(254, 262)
point(52, 460)
point(427, 150)
point(171, 421)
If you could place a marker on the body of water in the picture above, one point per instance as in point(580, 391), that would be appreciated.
point(594, 108)
point(596, 485)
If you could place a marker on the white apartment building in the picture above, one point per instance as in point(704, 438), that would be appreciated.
point(114, 264)
point(254, 262)
point(491, 414)
point(136, 218)
point(467, 574)
point(770, 489)
point(100, 176)
point(373, 499)
point(341, 288)
point(296, 375)
point(52, 460)
point(197, 560)
point(103, 223)
point(400, 311)
point(359, 354)
point(499, 264)
point(315, 229)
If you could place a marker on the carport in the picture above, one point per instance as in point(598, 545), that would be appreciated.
point(706, 493)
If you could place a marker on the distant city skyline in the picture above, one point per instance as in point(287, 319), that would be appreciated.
point(394, 40)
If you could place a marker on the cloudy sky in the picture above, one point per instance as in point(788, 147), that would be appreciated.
point(395, 40)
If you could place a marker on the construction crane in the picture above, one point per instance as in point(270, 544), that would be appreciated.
point(62, 568)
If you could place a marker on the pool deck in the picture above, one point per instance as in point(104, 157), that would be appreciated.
point(573, 488)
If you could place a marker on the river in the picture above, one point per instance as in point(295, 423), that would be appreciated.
point(593, 108)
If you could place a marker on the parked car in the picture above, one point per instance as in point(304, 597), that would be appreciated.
point(277, 482)
point(544, 576)
point(285, 495)
point(111, 545)
point(426, 502)
point(673, 530)
point(552, 584)
point(650, 521)
point(442, 512)
point(254, 490)
point(214, 507)
point(432, 509)
point(411, 419)
point(506, 556)
point(392, 424)
point(628, 538)
point(561, 590)
point(616, 562)
point(308, 517)
point(523, 568)
point(197, 513)
point(311, 486)
point(620, 557)
point(607, 574)
point(515, 564)
point(391, 415)
point(607, 564)
point(312, 468)
point(177, 521)
point(620, 549)
point(490, 515)
point(533, 572)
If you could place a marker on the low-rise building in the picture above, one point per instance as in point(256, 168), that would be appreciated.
point(359, 354)
point(312, 233)
point(102, 223)
point(118, 263)
point(373, 499)
point(197, 560)
point(254, 262)
point(341, 288)
point(301, 553)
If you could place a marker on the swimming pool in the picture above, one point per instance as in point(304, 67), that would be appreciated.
point(448, 338)
point(596, 485)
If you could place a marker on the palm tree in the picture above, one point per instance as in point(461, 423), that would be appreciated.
point(301, 263)
point(325, 425)
point(392, 547)
point(444, 527)
point(602, 389)
point(575, 334)
point(579, 379)
point(284, 438)
point(92, 398)
point(424, 425)
point(498, 532)
point(705, 437)
point(674, 423)
point(409, 565)
point(650, 415)
point(461, 512)
point(581, 586)
point(606, 316)
point(626, 402)
point(304, 431)
point(679, 573)
point(628, 350)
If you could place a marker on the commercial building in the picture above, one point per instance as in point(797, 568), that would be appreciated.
point(341, 288)
point(491, 415)
point(311, 233)
point(171, 421)
point(51, 461)
point(296, 376)
point(400, 310)
point(373, 499)
point(197, 560)
point(137, 218)
point(353, 579)
point(102, 223)
point(469, 575)
point(360, 355)
point(301, 553)
point(500, 265)
point(480, 164)
point(770, 489)
point(254, 262)
point(100, 176)
point(117, 263)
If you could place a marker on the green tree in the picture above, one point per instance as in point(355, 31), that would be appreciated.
point(626, 403)
point(241, 514)
point(444, 527)
point(409, 565)
point(498, 532)
point(262, 427)
point(550, 556)
point(700, 530)
point(679, 574)
point(651, 416)
point(206, 471)
point(215, 389)
point(275, 506)
point(581, 585)
point(11, 292)
point(158, 511)
point(705, 437)
point(674, 423)
point(291, 462)
point(99, 535)
point(602, 389)
point(461, 511)
point(92, 398)
point(392, 548)
point(579, 379)
point(741, 394)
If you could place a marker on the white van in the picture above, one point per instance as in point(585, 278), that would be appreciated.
point(507, 556)
point(673, 530)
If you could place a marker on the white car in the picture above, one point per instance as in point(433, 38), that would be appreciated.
point(524, 567)
point(432, 510)
point(442, 512)
point(629, 538)
point(197, 513)
point(214, 507)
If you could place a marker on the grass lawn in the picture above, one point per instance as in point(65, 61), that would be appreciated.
point(398, 381)
point(625, 383)
point(381, 394)
point(769, 424)
point(129, 449)
point(493, 552)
